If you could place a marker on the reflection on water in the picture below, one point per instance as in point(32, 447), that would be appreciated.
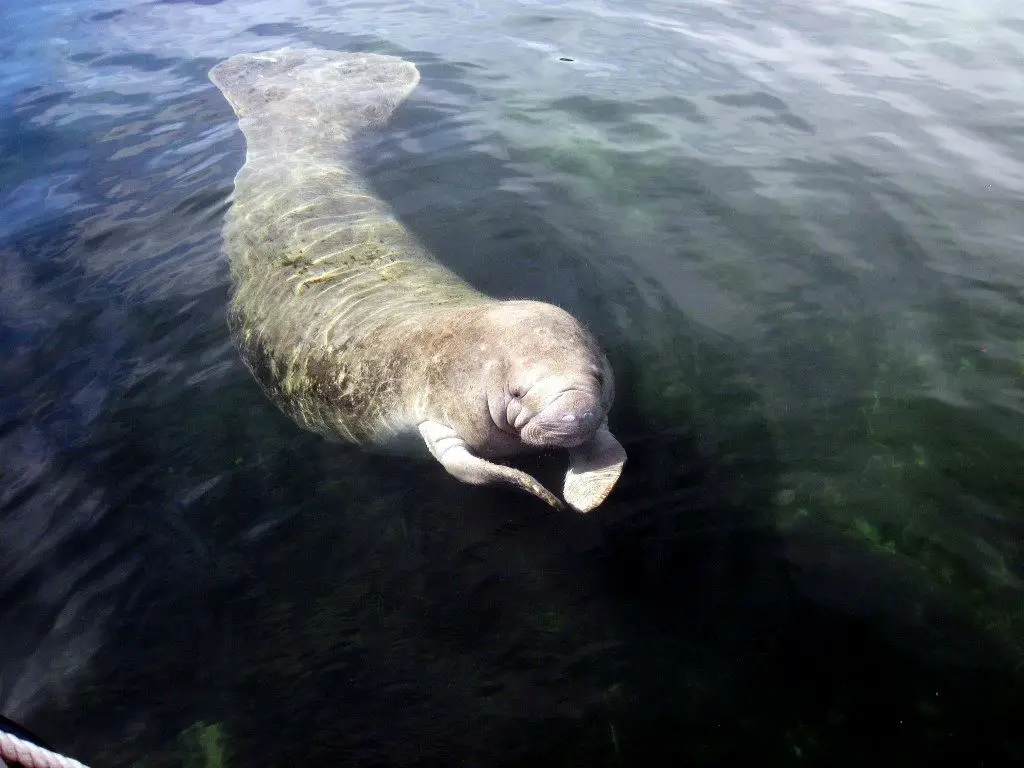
point(795, 230)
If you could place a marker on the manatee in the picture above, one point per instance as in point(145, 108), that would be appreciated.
point(355, 331)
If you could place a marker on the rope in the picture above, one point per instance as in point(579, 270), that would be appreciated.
point(21, 752)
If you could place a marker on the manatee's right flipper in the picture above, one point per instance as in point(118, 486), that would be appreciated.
point(594, 469)
point(453, 453)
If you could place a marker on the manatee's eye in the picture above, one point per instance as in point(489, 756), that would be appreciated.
point(517, 391)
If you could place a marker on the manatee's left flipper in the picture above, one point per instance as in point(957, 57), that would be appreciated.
point(448, 448)
point(594, 468)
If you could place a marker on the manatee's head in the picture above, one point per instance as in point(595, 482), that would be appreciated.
point(548, 382)
point(548, 385)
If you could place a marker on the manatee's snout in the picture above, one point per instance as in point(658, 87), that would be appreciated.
point(568, 420)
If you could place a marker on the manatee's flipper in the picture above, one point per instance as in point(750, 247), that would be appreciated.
point(289, 98)
point(449, 449)
point(594, 468)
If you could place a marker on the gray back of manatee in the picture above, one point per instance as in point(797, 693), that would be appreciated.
point(349, 325)
point(320, 265)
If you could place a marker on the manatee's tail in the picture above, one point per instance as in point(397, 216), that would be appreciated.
point(316, 95)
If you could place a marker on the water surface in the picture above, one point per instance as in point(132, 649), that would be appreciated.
point(794, 226)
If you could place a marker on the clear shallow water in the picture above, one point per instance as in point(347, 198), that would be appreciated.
point(795, 227)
